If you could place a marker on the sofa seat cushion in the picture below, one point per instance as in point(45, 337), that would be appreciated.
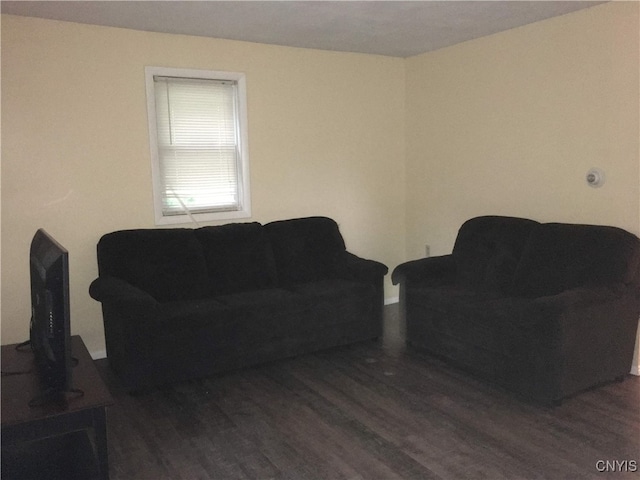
point(178, 315)
point(332, 302)
point(227, 319)
point(276, 298)
point(238, 258)
point(259, 315)
point(263, 320)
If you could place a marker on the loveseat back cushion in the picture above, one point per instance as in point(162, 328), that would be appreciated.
point(238, 257)
point(166, 263)
point(305, 249)
point(562, 256)
point(487, 250)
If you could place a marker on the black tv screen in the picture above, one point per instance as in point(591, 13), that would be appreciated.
point(49, 332)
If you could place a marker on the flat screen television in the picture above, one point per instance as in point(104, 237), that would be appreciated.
point(49, 332)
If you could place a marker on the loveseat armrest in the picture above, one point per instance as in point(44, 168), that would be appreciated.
point(118, 292)
point(433, 271)
point(352, 267)
point(589, 332)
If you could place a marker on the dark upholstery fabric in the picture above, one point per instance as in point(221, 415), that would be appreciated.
point(487, 251)
point(110, 289)
point(167, 264)
point(511, 343)
point(433, 271)
point(227, 306)
point(239, 257)
point(332, 289)
point(563, 320)
point(305, 249)
point(561, 256)
point(351, 267)
point(257, 298)
point(205, 337)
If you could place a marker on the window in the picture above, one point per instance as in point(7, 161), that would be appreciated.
point(197, 132)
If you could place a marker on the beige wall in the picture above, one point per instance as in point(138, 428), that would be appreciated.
point(400, 152)
point(326, 137)
point(510, 124)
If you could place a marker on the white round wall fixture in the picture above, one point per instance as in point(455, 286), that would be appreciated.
point(595, 177)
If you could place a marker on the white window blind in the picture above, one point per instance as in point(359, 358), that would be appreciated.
point(199, 146)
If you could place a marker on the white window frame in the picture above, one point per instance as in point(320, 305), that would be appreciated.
point(244, 197)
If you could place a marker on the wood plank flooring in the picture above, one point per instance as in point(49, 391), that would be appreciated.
point(374, 410)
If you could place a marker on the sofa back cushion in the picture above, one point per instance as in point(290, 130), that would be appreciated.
point(238, 257)
point(166, 263)
point(562, 256)
point(305, 249)
point(487, 251)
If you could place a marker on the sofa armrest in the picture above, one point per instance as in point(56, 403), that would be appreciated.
point(352, 267)
point(434, 271)
point(597, 331)
point(117, 292)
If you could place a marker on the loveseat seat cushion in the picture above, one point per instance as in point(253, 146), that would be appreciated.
point(487, 250)
point(166, 263)
point(305, 249)
point(238, 257)
point(480, 320)
point(561, 256)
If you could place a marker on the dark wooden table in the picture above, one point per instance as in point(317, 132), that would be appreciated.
point(53, 438)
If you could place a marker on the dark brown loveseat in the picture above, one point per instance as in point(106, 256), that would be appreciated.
point(185, 303)
point(544, 310)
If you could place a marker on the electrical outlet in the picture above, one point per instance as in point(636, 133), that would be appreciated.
point(427, 251)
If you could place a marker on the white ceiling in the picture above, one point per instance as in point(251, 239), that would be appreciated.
point(394, 28)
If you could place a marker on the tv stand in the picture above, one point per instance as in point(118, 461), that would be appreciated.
point(62, 440)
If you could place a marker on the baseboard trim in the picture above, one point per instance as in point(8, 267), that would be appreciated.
point(391, 300)
point(635, 370)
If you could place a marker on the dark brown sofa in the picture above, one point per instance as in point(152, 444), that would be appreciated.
point(184, 303)
point(543, 310)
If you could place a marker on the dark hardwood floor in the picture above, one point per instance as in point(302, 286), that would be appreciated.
point(374, 410)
